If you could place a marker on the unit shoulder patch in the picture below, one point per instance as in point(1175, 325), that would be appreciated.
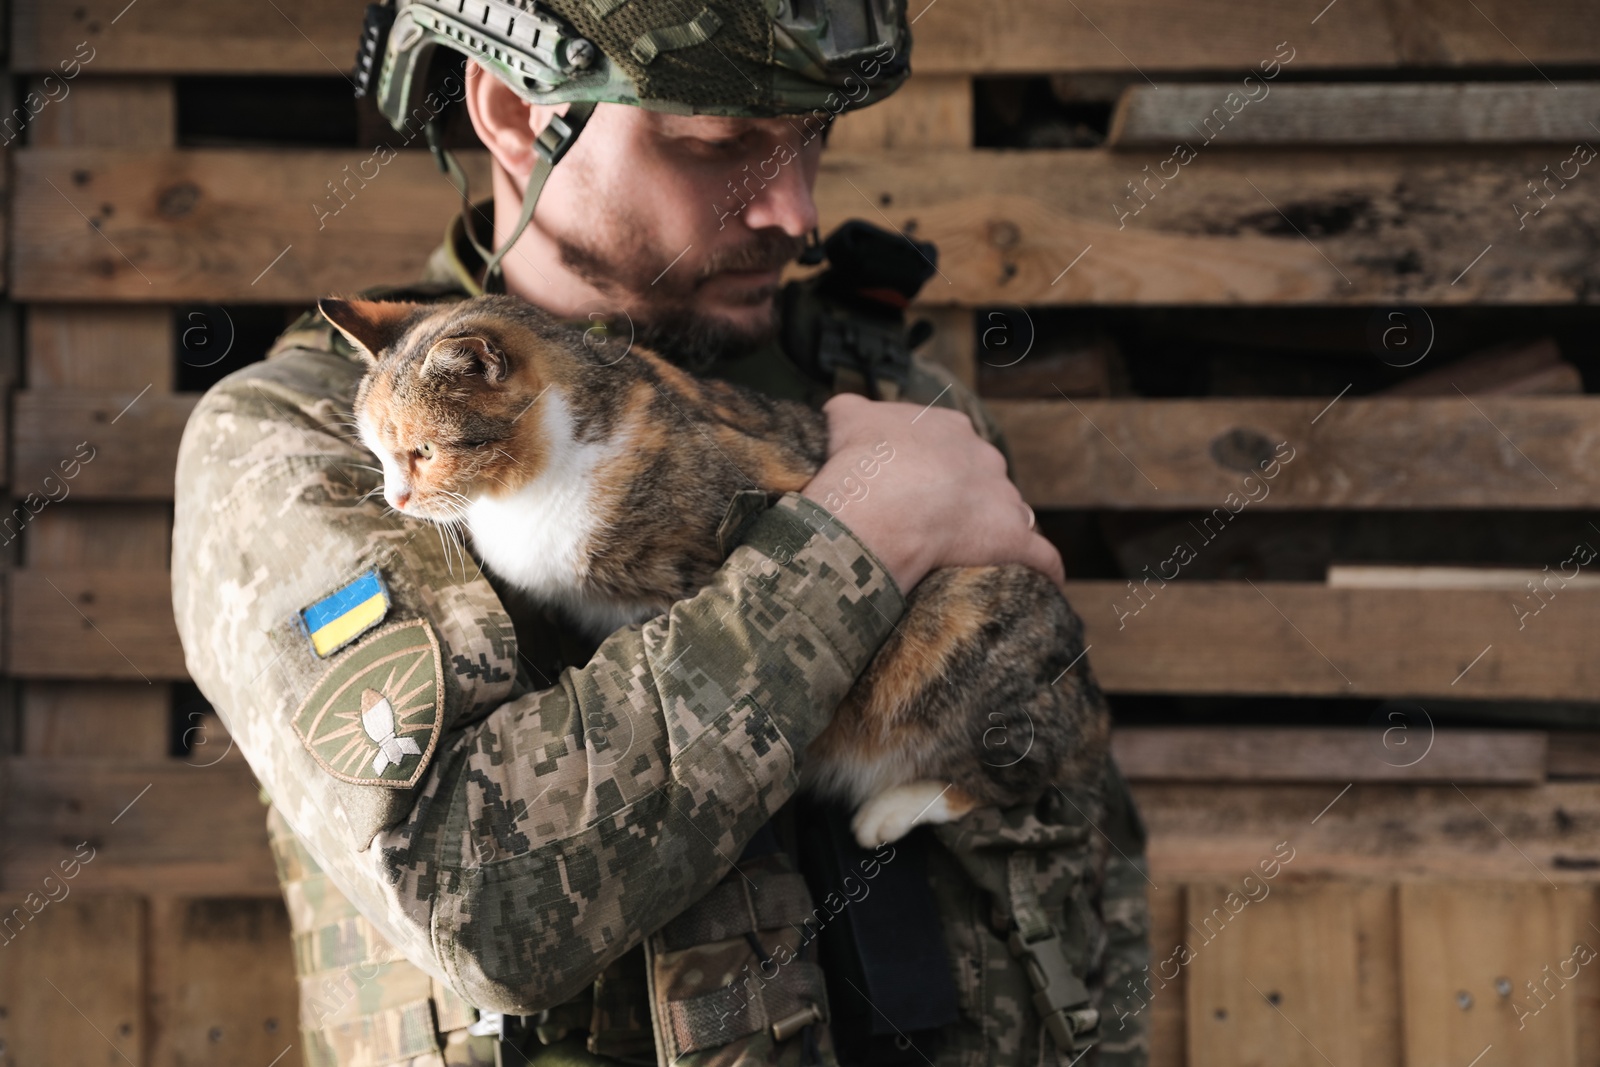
point(374, 716)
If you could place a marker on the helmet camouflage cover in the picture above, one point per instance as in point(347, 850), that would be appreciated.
point(746, 58)
point(753, 58)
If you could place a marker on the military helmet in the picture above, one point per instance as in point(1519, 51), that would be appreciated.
point(756, 58)
point(750, 58)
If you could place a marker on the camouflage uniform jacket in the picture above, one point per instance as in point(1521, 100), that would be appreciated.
point(471, 808)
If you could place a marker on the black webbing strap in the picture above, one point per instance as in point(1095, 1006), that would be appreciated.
point(890, 986)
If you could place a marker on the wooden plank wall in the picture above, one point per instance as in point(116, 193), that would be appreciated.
point(1419, 910)
point(168, 945)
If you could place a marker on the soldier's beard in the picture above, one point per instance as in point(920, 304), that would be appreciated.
point(660, 296)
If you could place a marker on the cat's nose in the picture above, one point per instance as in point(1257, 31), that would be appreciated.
point(398, 500)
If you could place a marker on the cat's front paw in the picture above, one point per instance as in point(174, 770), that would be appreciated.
point(893, 813)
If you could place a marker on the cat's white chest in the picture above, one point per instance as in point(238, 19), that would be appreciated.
point(542, 537)
point(537, 538)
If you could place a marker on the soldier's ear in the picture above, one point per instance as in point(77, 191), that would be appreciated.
point(370, 325)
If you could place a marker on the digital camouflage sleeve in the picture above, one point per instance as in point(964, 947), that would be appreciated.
point(512, 840)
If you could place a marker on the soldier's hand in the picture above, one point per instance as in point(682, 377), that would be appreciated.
point(923, 491)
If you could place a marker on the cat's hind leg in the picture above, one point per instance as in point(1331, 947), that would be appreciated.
point(892, 814)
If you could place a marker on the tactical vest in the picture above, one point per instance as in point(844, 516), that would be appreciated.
point(1015, 900)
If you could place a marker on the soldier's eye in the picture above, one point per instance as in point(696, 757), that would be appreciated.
point(425, 450)
point(726, 144)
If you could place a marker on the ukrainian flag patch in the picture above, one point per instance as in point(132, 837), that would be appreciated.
point(341, 617)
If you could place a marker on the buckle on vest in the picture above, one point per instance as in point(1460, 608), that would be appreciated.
point(1060, 997)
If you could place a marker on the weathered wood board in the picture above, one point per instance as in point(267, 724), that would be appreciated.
point(1249, 1001)
point(1454, 113)
point(1496, 965)
point(72, 988)
point(1455, 452)
point(1293, 638)
point(99, 445)
point(1374, 831)
point(1406, 748)
point(1292, 227)
point(222, 983)
point(92, 623)
point(1306, 639)
point(169, 826)
point(317, 37)
point(1460, 452)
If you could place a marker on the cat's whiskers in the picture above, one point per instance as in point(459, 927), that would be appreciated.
point(441, 526)
point(444, 546)
point(454, 505)
point(452, 531)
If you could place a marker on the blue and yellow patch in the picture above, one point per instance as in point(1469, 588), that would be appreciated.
point(341, 617)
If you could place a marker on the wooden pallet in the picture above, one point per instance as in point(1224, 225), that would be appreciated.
point(1420, 890)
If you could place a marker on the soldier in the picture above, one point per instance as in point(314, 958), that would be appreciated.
point(501, 844)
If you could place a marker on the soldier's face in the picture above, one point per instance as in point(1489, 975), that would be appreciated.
point(690, 219)
point(682, 222)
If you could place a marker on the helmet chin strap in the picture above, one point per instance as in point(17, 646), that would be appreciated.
point(551, 144)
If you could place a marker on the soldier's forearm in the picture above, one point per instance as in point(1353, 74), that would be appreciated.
point(587, 815)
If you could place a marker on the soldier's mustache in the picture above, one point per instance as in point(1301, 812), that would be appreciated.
point(768, 252)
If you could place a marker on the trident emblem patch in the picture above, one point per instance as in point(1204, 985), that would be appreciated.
point(377, 707)
point(377, 718)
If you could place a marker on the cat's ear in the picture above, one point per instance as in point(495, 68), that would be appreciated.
point(370, 325)
point(467, 356)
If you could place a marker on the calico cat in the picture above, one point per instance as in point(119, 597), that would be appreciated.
point(597, 484)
